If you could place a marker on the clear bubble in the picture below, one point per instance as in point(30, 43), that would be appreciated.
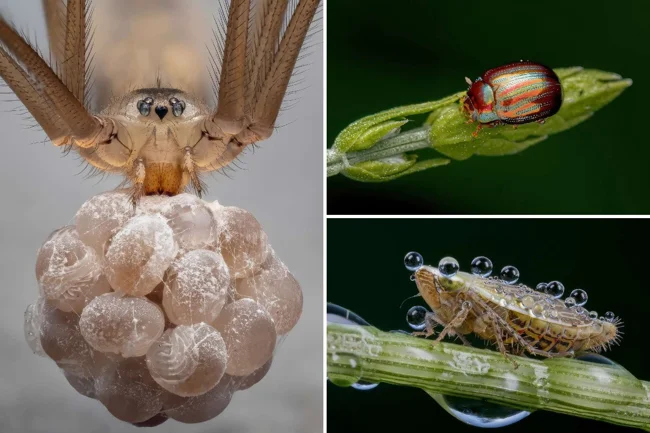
point(580, 296)
point(413, 261)
point(482, 266)
point(448, 266)
point(570, 302)
point(555, 289)
point(479, 413)
point(593, 314)
point(510, 274)
point(416, 317)
point(541, 287)
point(338, 314)
point(609, 316)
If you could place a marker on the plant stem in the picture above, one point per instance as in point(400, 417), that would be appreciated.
point(404, 142)
point(588, 390)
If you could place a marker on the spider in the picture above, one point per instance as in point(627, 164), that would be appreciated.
point(160, 138)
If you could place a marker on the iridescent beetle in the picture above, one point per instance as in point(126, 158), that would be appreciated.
point(516, 318)
point(514, 94)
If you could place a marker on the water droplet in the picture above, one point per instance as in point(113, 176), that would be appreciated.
point(595, 358)
point(510, 274)
point(555, 289)
point(362, 385)
point(609, 316)
point(570, 302)
point(338, 314)
point(537, 311)
point(413, 261)
point(541, 287)
point(448, 266)
point(580, 296)
point(482, 266)
point(416, 317)
point(593, 314)
point(479, 413)
point(528, 301)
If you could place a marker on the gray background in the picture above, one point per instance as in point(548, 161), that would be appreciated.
point(280, 183)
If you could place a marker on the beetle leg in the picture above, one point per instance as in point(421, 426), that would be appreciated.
point(515, 126)
point(541, 121)
point(478, 128)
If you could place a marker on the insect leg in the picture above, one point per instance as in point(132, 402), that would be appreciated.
point(430, 321)
point(458, 320)
point(138, 180)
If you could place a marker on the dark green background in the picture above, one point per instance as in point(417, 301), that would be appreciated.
point(366, 274)
point(386, 53)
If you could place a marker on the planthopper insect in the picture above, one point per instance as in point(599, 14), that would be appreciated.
point(513, 316)
point(514, 94)
point(160, 137)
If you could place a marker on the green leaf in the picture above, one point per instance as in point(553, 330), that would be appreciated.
point(360, 134)
point(585, 91)
point(386, 169)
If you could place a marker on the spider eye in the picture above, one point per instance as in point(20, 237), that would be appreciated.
point(178, 107)
point(144, 106)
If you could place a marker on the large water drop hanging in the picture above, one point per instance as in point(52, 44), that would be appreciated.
point(479, 413)
point(338, 314)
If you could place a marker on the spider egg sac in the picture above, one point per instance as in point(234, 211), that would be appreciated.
point(102, 216)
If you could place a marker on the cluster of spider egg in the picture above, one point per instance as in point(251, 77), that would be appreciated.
point(483, 267)
point(161, 310)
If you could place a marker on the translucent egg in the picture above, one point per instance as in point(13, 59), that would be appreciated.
point(555, 289)
point(244, 244)
point(102, 216)
point(84, 385)
point(192, 410)
point(69, 272)
point(246, 382)
point(275, 288)
point(121, 324)
point(62, 341)
point(139, 254)
point(188, 360)
point(33, 327)
point(249, 333)
point(188, 216)
point(196, 288)
point(129, 392)
point(580, 296)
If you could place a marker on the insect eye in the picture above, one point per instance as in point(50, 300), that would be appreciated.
point(178, 107)
point(144, 106)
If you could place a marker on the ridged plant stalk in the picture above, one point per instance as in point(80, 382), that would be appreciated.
point(374, 149)
point(601, 392)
